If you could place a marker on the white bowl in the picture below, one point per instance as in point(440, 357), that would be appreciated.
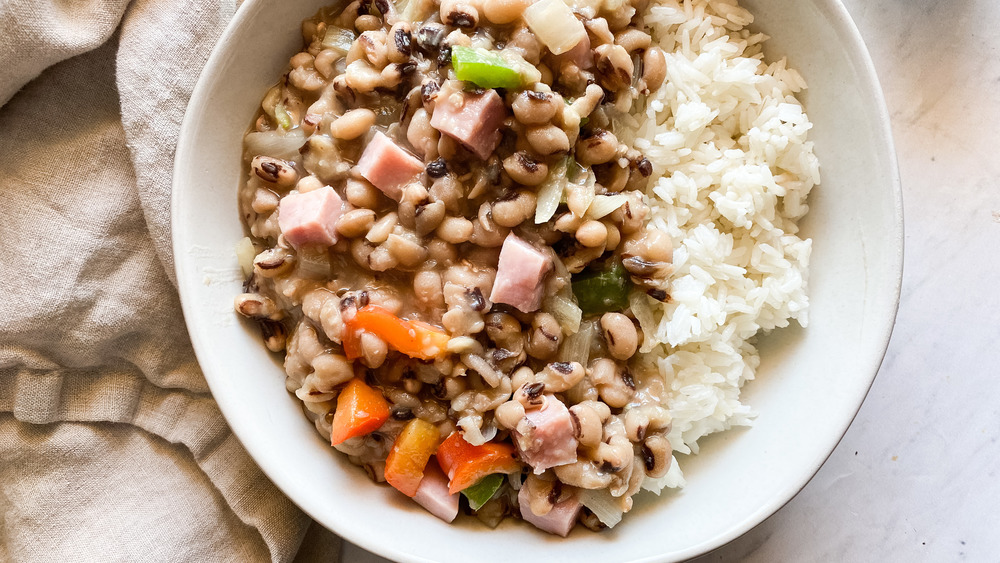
point(808, 389)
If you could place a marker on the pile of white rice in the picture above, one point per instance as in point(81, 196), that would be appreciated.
point(727, 140)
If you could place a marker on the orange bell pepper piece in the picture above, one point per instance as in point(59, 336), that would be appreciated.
point(360, 410)
point(465, 464)
point(414, 338)
point(404, 468)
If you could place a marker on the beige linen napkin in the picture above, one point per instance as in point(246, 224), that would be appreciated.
point(111, 447)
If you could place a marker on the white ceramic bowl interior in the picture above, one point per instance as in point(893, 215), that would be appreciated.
point(808, 389)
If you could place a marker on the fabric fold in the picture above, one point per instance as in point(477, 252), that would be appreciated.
point(104, 413)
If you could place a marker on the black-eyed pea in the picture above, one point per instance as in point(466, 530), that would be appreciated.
point(614, 384)
point(427, 288)
point(459, 13)
point(512, 210)
point(504, 11)
point(536, 108)
point(586, 104)
point(656, 456)
point(399, 44)
point(587, 425)
point(264, 201)
point(521, 377)
point(406, 250)
point(373, 350)
point(332, 369)
point(274, 171)
point(273, 262)
point(455, 230)
point(636, 424)
point(545, 336)
point(560, 376)
point(614, 236)
point(324, 62)
point(620, 335)
point(509, 414)
point(428, 217)
point(525, 169)
point(367, 22)
point(614, 66)
point(442, 252)
point(360, 193)
point(568, 223)
point(597, 148)
point(356, 222)
point(633, 39)
point(547, 139)
point(654, 68)
point(362, 77)
point(257, 306)
point(421, 135)
point(352, 124)
point(308, 183)
point(592, 234)
point(584, 474)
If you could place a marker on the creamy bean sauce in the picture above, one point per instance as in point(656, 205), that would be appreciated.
point(445, 231)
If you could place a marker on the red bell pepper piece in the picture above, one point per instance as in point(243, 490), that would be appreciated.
point(360, 410)
point(465, 464)
point(414, 338)
point(404, 468)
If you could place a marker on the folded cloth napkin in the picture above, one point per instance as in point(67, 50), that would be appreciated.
point(111, 446)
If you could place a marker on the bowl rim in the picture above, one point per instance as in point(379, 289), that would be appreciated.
point(840, 22)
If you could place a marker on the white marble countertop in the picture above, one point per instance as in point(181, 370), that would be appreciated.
point(916, 476)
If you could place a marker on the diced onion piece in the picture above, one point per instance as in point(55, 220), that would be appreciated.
point(606, 507)
point(282, 117)
point(583, 194)
point(604, 205)
point(245, 253)
point(314, 265)
point(550, 193)
point(338, 39)
point(576, 347)
point(639, 303)
point(566, 312)
point(555, 25)
point(275, 144)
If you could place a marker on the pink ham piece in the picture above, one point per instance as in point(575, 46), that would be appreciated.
point(580, 55)
point(546, 437)
point(520, 273)
point(388, 166)
point(471, 119)
point(310, 219)
point(432, 493)
point(560, 520)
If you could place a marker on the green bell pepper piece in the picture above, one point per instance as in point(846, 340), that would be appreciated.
point(483, 68)
point(484, 489)
point(602, 290)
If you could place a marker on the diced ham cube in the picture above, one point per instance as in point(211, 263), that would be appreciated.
point(432, 493)
point(560, 520)
point(546, 437)
point(388, 166)
point(471, 119)
point(520, 273)
point(310, 219)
